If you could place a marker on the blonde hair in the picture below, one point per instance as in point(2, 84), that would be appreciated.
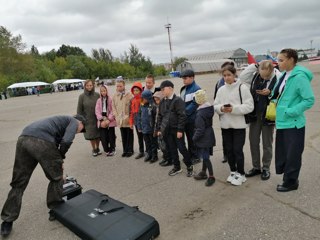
point(200, 96)
point(266, 65)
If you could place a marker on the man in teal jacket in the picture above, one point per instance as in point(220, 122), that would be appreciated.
point(295, 96)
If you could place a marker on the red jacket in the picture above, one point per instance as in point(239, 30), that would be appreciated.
point(135, 103)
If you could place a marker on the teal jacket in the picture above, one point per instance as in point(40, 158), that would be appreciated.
point(295, 99)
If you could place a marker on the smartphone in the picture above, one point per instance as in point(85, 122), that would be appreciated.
point(227, 105)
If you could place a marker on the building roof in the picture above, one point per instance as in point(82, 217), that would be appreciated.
point(27, 84)
point(214, 55)
point(67, 81)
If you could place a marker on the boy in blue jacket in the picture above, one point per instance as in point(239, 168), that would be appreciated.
point(146, 125)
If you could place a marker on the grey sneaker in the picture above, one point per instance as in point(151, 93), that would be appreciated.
point(175, 171)
point(200, 176)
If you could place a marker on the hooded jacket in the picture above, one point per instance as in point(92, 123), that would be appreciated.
point(109, 115)
point(86, 107)
point(295, 99)
point(147, 114)
point(203, 136)
point(135, 104)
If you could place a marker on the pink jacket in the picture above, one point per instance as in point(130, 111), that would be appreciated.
point(110, 115)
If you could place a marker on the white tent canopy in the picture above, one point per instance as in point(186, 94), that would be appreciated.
point(28, 84)
point(67, 81)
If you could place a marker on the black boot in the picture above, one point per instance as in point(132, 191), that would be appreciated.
point(6, 228)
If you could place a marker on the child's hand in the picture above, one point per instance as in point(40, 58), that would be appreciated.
point(179, 135)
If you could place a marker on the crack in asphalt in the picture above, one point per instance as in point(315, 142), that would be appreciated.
point(293, 207)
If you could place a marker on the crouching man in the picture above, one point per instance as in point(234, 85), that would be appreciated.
point(45, 142)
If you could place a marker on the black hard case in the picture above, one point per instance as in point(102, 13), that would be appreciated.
point(118, 222)
point(71, 191)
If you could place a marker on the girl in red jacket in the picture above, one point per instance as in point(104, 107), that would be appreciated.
point(134, 111)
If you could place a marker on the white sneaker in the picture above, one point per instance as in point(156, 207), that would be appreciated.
point(238, 179)
point(231, 177)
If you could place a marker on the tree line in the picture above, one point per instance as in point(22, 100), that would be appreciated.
point(19, 64)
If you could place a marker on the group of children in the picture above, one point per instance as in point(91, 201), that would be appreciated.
point(161, 116)
point(159, 119)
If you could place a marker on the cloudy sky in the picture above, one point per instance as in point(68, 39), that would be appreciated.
point(197, 25)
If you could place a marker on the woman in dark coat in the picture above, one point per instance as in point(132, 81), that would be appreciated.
point(86, 107)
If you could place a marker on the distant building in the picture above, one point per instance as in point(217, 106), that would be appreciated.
point(260, 58)
point(310, 52)
point(212, 61)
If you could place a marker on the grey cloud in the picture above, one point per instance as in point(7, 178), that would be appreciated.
point(197, 26)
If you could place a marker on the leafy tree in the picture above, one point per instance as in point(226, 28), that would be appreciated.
point(177, 61)
point(66, 50)
point(135, 58)
point(51, 55)
point(77, 67)
point(44, 72)
point(102, 55)
point(59, 67)
point(160, 70)
point(9, 41)
point(34, 51)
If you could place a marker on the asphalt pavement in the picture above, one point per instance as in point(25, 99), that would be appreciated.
point(185, 208)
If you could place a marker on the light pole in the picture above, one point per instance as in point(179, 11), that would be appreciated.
point(168, 26)
point(311, 48)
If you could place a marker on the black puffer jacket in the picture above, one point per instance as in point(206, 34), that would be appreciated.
point(171, 115)
point(203, 136)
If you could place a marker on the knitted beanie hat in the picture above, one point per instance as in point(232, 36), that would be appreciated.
point(200, 96)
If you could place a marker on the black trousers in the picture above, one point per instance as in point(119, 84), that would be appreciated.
point(140, 141)
point(173, 143)
point(234, 140)
point(189, 130)
point(164, 148)
point(29, 152)
point(223, 146)
point(127, 139)
point(108, 139)
point(151, 145)
point(288, 153)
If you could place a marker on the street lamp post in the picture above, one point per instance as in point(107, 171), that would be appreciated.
point(168, 26)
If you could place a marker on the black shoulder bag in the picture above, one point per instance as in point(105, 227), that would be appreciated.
point(247, 117)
